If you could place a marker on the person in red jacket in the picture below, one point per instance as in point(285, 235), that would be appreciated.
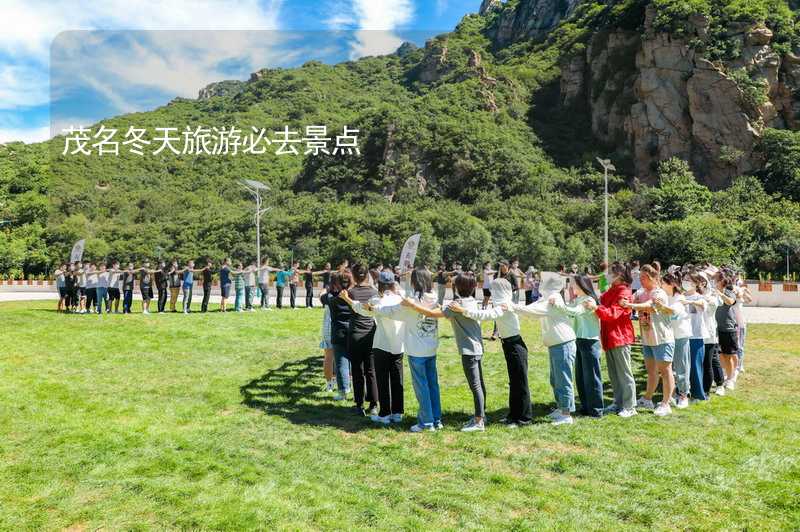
point(616, 335)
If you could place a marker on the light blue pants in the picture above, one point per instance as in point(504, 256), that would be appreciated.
point(681, 366)
point(562, 360)
point(742, 332)
point(426, 387)
point(239, 301)
point(342, 367)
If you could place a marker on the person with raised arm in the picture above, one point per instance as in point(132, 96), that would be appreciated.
point(224, 284)
point(174, 285)
point(146, 286)
point(187, 285)
point(103, 280)
point(128, 279)
point(340, 315)
point(161, 278)
point(207, 276)
point(263, 282)
point(250, 276)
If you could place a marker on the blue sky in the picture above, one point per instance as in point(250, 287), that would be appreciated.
point(75, 62)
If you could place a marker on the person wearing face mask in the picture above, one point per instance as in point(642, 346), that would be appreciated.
point(712, 369)
point(694, 287)
point(682, 330)
point(588, 378)
point(559, 338)
point(616, 335)
point(520, 409)
point(658, 339)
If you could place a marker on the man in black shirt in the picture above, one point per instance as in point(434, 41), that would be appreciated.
point(127, 288)
point(207, 274)
point(161, 275)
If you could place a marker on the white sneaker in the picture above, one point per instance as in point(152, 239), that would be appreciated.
point(720, 390)
point(730, 384)
point(627, 412)
point(561, 419)
point(438, 425)
point(145, 312)
point(662, 410)
point(645, 403)
point(340, 396)
point(330, 386)
point(421, 428)
point(383, 420)
point(555, 413)
point(683, 402)
point(473, 426)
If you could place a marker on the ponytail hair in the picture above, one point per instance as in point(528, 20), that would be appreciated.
point(674, 281)
point(586, 286)
point(623, 271)
point(651, 272)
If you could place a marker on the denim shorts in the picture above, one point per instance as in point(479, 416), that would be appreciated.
point(661, 352)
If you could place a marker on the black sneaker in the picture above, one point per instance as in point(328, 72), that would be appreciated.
point(359, 411)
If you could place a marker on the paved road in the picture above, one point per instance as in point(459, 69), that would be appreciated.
point(753, 314)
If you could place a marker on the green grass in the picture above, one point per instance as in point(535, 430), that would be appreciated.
point(220, 422)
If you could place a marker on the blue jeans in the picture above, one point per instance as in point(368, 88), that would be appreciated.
point(742, 332)
point(697, 352)
point(239, 301)
point(102, 294)
point(425, 379)
point(588, 378)
point(187, 297)
point(342, 364)
point(681, 366)
point(562, 360)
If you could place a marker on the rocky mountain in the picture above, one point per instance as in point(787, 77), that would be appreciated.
point(652, 88)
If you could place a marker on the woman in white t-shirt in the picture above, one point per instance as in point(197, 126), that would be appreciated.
point(658, 340)
point(682, 330)
point(743, 296)
point(421, 341)
point(488, 275)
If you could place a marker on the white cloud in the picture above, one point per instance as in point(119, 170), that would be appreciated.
point(375, 22)
point(29, 27)
point(27, 135)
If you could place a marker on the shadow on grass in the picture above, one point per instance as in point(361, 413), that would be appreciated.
point(293, 391)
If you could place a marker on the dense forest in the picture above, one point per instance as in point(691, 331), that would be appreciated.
point(467, 140)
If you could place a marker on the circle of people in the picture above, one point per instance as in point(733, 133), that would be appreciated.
point(692, 333)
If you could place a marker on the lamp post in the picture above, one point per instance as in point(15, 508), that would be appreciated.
point(255, 188)
point(607, 167)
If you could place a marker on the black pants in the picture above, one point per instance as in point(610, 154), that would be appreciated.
point(389, 381)
point(249, 293)
point(292, 294)
point(206, 296)
point(528, 297)
point(588, 379)
point(362, 371)
point(712, 369)
point(162, 298)
point(309, 296)
point(113, 295)
point(279, 297)
point(519, 395)
point(91, 298)
point(473, 371)
point(127, 301)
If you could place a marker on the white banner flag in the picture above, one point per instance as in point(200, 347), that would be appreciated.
point(409, 254)
point(77, 251)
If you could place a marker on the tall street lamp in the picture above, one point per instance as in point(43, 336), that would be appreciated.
point(607, 167)
point(255, 188)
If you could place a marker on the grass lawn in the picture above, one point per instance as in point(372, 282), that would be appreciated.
point(221, 422)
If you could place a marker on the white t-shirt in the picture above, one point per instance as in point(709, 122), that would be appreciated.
point(91, 280)
point(655, 327)
point(738, 311)
point(263, 275)
point(103, 279)
point(389, 332)
point(421, 337)
point(712, 302)
point(250, 276)
point(487, 279)
point(681, 321)
point(697, 317)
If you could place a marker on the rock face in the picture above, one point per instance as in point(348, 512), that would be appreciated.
point(230, 87)
point(530, 19)
point(650, 97)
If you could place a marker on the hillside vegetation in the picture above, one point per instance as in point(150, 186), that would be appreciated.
point(467, 140)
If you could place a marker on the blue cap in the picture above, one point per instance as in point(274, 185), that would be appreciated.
point(386, 277)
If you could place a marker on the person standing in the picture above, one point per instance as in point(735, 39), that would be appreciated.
point(250, 286)
point(617, 336)
point(174, 286)
point(207, 276)
point(128, 278)
point(188, 286)
point(146, 286)
point(281, 281)
point(61, 285)
point(520, 409)
point(263, 283)
point(238, 287)
point(326, 276)
point(103, 279)
point(114, 288)
point(91, 287)
point(441, 284)
point(341, 313)
point(743, 296)
point(682, 331)
point(387, 350)
point(294, 280)
point(360, 333)
point(308, 279)
point(71, 284)
point(161, 278)
point(588, 378)
point(81, 273)
point(224, 284)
